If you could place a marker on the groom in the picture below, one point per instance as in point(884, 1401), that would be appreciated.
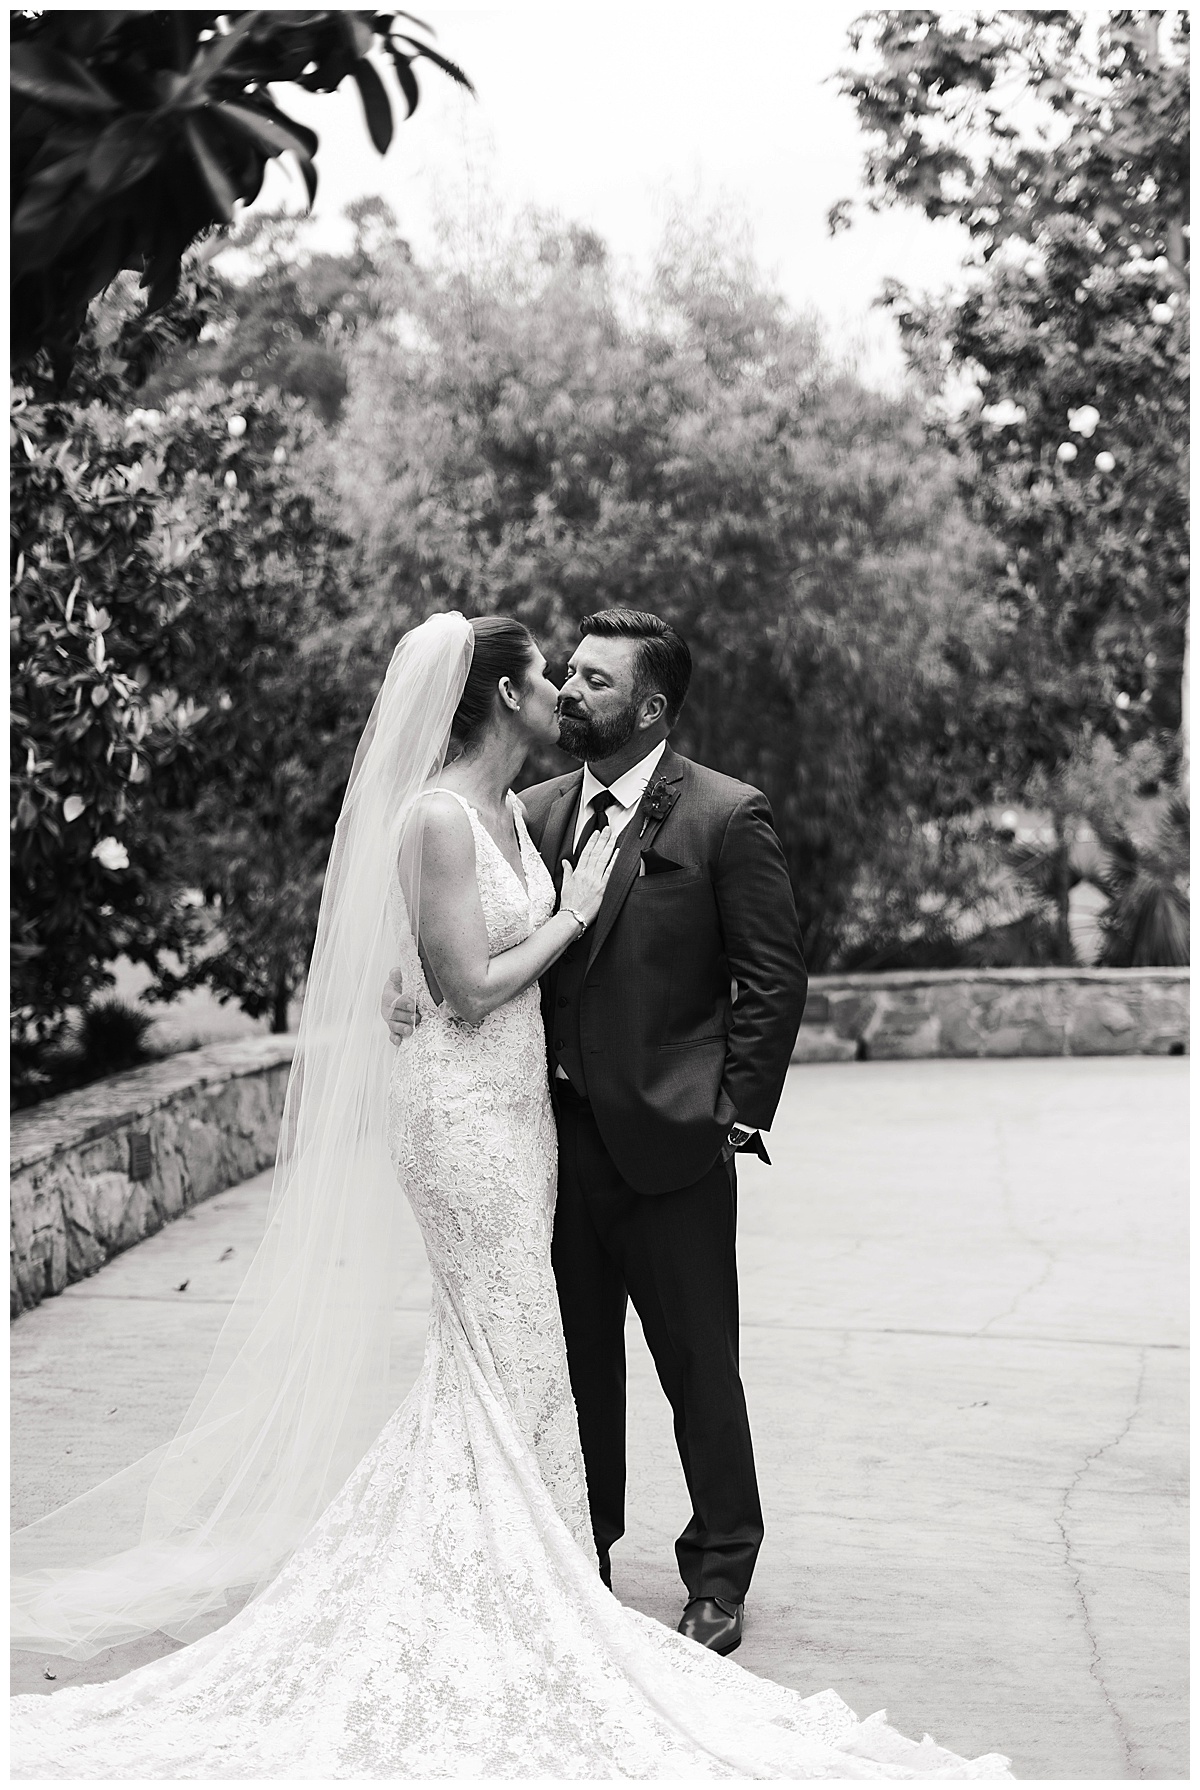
point(669, 1028)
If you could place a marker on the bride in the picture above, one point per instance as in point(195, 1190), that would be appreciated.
point(412, 1595)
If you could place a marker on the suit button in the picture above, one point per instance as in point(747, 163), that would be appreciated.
point(563, 1001)
point(559, 1044)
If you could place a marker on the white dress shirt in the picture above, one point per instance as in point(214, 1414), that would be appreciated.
point(628, 790)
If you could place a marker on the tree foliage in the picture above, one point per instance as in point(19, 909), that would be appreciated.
point(103, 574)
point(1077, 463)
point(135, 133)
point(183, 657)
point(287, 326)
point(1123, 829)
point(280, 666)
point(513, 439)
point(891, 623)
point(1061, 141)
point(1010, 121)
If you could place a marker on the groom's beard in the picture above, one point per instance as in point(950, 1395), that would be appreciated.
point(586, 737)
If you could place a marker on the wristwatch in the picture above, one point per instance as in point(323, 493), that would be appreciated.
point(739, 1135)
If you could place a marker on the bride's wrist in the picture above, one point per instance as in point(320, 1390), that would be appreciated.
point(566, 908)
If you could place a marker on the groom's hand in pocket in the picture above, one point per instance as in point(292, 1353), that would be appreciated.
point(399, 1009)
point(744, 1140)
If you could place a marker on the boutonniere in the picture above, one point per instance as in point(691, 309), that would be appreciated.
point(656, 803)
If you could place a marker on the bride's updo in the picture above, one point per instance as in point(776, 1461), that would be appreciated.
point(503, 648)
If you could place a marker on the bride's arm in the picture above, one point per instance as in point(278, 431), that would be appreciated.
point(453, 933)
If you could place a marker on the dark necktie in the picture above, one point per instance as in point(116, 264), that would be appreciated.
point(598, 809)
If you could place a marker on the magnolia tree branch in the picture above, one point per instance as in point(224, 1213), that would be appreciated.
point(136, 133)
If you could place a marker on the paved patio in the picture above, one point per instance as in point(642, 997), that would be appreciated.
point(964, 1305)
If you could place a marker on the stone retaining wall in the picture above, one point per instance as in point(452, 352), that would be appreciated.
point(96, 1171)
point(995, 1013)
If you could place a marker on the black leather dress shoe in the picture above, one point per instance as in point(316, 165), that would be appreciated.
point(714, 1622)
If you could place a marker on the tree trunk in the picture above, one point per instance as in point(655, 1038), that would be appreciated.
point(1185, 768)
point(1064, 949)
point(1176, 254)
point(279, 1013)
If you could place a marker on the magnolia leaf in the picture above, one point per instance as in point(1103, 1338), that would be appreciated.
point(408, 81)
point(271, 130)
point(252, 176)
point(57, 82)
point(51, 219)
point(375, 104)
point(120, 157)
point(212, 57)
point(444, 63)
point(84, 32)
point(215, 178)
point(42, 198)
point(412, 18)
point(358, 29)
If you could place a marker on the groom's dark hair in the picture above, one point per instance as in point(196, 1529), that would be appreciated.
point(663, 661)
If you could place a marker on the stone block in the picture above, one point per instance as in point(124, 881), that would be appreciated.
point(1165, 1022)
point(966, 1027)
point(1103, 1026)
point(95, 1208)
point(821, 1044)
point(905, 1027)
point(851, 1011)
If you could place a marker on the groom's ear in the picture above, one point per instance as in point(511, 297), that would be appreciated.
point(654, 709)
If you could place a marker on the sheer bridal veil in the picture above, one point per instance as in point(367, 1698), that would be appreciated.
point(297, 1389)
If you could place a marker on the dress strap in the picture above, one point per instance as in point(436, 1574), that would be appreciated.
point(478, 829)
point(441, 790)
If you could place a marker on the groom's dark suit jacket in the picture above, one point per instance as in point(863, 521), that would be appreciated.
point(671, 1057)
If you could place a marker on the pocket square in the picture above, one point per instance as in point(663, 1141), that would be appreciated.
point(654, 864)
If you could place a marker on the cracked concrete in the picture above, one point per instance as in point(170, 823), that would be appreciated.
point(1034, 1244)
point(964, 1347)
point(1097, 1662)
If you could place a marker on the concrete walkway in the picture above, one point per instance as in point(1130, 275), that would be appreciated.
point(964, 1299)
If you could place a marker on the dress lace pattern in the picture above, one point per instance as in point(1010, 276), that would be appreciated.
point(445, 1617)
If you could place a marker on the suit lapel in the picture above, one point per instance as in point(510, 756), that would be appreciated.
point(635, 839)
point(558, 818)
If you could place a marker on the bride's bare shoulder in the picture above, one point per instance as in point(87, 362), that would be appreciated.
point(447, 836)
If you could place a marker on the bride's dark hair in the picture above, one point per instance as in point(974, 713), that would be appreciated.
point(503, 648)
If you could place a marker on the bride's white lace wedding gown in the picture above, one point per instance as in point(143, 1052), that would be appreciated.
point(445, 1617)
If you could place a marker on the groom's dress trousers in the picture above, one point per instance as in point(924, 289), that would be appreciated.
point(651, 1059)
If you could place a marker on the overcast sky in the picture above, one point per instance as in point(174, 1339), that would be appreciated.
point(606, 113)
